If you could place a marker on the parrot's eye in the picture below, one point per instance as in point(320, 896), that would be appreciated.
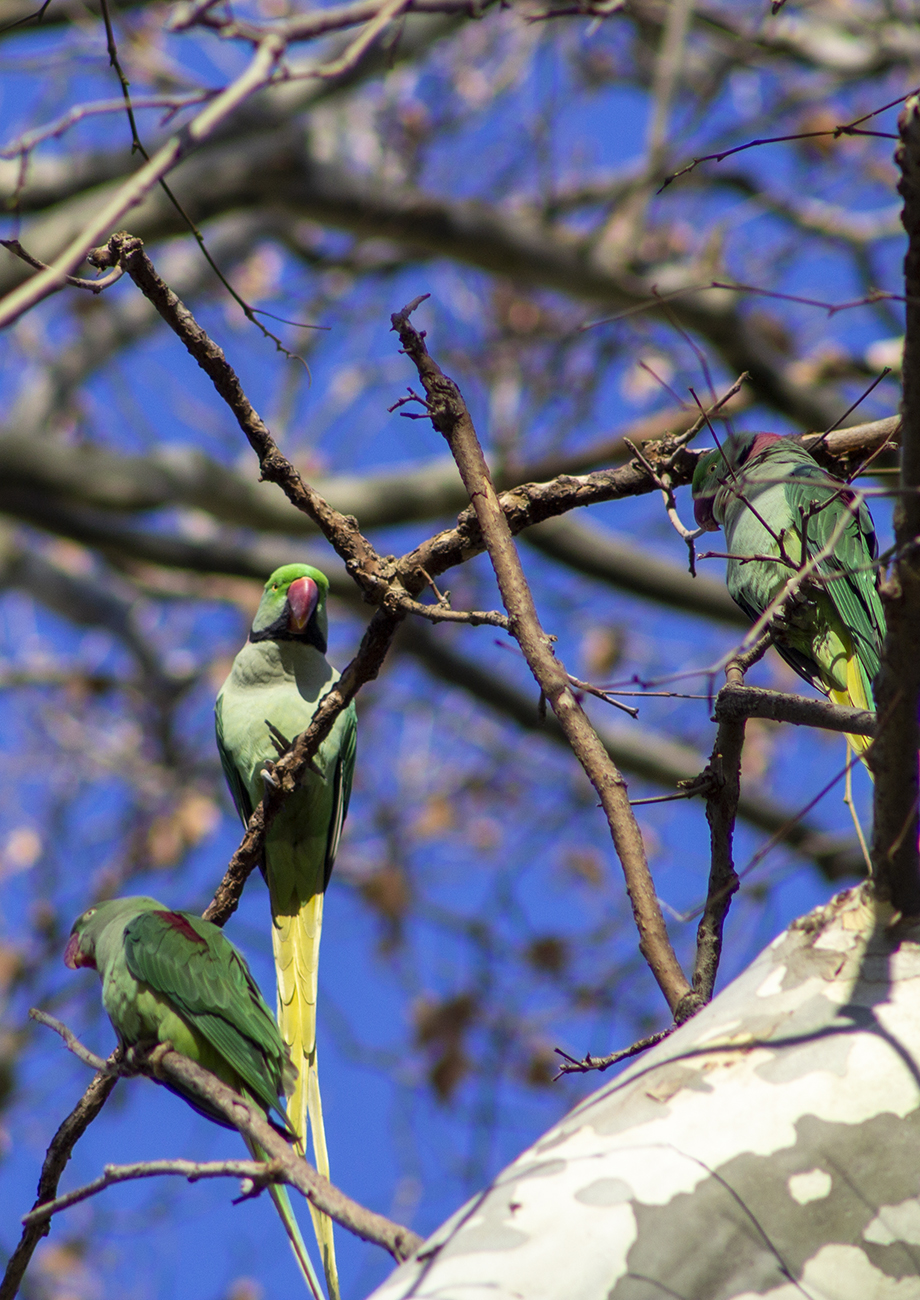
point(91, 911)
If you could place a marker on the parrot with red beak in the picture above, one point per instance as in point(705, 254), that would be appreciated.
point(780, 509)
point(270, 696)
point(170, 977)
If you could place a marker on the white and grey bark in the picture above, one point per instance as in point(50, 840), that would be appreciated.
point(764, 1148)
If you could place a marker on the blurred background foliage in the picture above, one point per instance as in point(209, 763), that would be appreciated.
point(508, 161)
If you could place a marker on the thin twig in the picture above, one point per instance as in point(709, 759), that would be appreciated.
point(849, 128)
point(442, 613)
point(601, 694)
point(78, 282)
point(569, 1064)
point(363, 41)
point(260, 1173)
point(72, 1043)
point(663, 482)
point(27, 142)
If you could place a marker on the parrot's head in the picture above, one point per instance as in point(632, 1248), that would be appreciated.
point(293, 607)
point(716, 468)
point(709, 475)
point(88, 927)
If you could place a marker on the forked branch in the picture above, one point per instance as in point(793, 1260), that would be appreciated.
point(451, 418)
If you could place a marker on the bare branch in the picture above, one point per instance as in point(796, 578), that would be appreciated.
point(894, 755)
point(569, 1065)
point(721, 808)
point(56, 1158)
point(25, 143)
point(451, 418)
point(94, 286)
point(72, 1043)
point(164, 1064)
point(258, 1172)
point(649, 756)
point(256, 75)
point(386, 12)
point(735, 702)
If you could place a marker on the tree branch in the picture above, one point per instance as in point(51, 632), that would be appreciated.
point(55, 1162)
point(645, 754)
point(893, 757)
point(736, 702)
point(341, 532)
point(259, 1173)
point(134, 189)
point(569, 1064)
point(451, 418)
point(722, 798)
point(164, 1064)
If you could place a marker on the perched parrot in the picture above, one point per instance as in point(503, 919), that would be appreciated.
point(273, 689)
point(170, 977)
point(757, 487)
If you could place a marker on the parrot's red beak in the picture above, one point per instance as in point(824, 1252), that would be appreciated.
point(302, 597)
point(73, 957)
point(703, 514)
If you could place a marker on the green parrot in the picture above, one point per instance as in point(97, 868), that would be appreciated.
point(274, 686)
point(757, 487)
point(170, 977)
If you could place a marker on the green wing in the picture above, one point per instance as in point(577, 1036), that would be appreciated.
point(342, 779)
point(240, 794)
point(190, 962)
point(850, 561)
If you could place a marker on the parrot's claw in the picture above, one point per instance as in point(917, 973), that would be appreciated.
point(278, 738)
point(268, 776)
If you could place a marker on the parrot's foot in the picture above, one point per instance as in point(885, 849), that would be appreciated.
point(268, 775)
point(142, 1056)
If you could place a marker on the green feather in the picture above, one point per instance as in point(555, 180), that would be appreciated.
point(170, 977)
point(769, 496)
point(211, 984)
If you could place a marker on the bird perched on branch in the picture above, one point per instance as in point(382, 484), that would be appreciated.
point(782, 512)
point(270, 696)
point(170, 977)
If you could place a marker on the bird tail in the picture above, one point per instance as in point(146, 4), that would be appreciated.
point(858, 695)
point(296, 944)
point(279, 1194)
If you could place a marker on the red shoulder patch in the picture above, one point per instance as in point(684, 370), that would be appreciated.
point(762, 442)
point(178, 922)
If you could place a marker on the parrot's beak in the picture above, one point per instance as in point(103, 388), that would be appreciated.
point(302, 597)
point(704, 515)
point(73, 958)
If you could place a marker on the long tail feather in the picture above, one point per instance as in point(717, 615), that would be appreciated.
point(296, 946)
point(322, 1224)
point(282, 1201)
point(858, 696)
